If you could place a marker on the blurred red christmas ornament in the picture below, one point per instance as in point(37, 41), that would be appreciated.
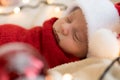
point(20, 61)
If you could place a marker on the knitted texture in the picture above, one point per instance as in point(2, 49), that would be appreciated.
point(117, 5)
point(41, 38)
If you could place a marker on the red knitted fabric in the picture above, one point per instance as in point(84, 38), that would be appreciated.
point(41, 38)
point(117, 5)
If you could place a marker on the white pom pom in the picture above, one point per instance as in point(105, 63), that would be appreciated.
point(103, 44)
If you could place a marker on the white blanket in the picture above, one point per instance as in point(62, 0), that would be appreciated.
point(87, 69)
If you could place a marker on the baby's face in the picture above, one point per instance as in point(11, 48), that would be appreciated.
point(71, 33)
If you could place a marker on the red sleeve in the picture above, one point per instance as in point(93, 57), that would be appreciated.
point(117, 5)
point(15, 33)
point(10, 33)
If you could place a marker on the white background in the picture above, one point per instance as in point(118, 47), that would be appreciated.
point(29, 18)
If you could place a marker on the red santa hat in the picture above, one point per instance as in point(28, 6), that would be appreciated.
point(98, 14)
point(117, 5)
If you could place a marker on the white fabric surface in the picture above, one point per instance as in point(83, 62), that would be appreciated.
point(87, 69)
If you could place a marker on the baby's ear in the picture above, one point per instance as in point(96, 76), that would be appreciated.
point(103, 44)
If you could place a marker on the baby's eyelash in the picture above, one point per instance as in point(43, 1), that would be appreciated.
point(75, 37)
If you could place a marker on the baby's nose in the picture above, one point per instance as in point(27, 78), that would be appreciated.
point(65, 29)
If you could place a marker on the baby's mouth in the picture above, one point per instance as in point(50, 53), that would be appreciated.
point(56, 35)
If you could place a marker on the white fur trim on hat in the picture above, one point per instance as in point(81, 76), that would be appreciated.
point(98, 14)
